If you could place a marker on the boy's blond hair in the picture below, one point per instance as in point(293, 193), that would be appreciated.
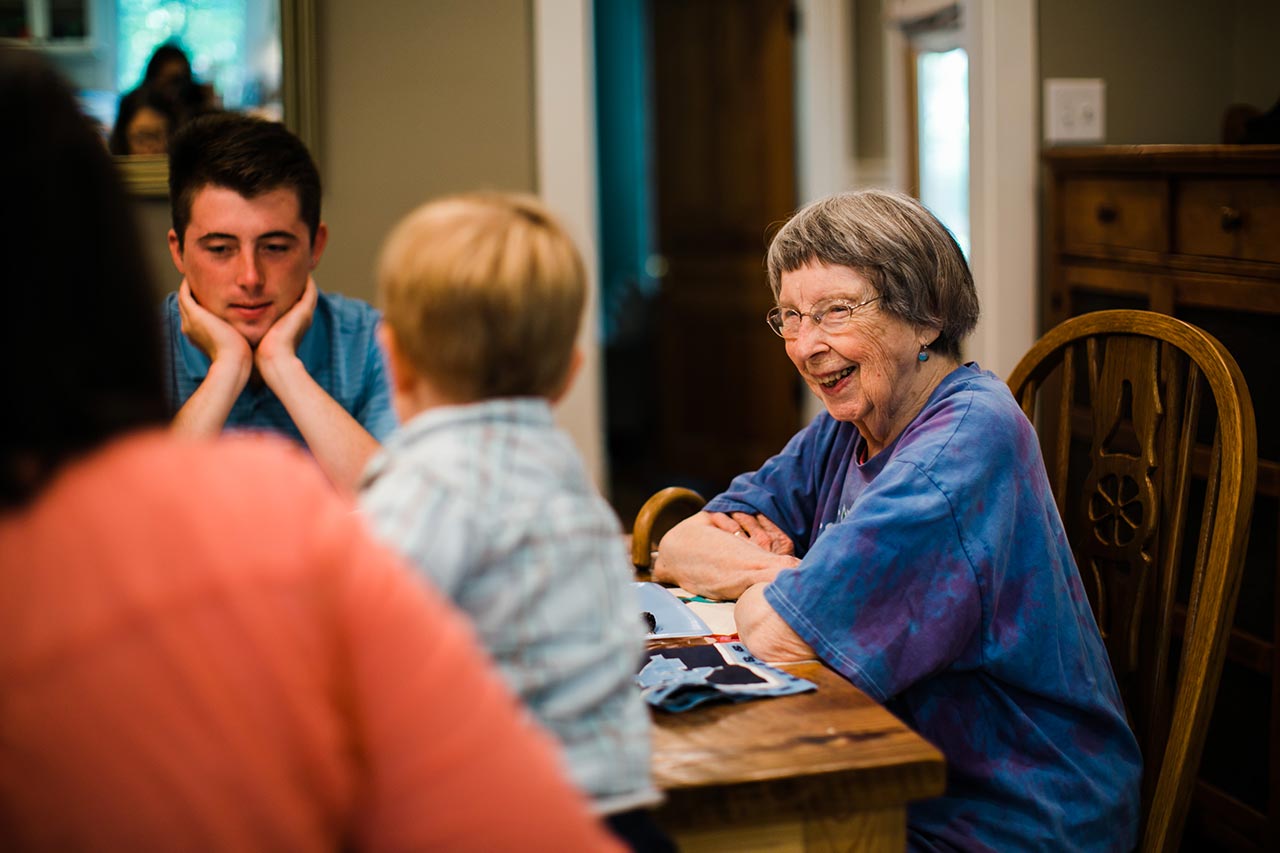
point(484, 294)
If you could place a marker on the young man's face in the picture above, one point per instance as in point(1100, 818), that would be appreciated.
point(247, 260)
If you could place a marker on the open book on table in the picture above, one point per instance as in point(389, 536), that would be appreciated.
point(679, 613)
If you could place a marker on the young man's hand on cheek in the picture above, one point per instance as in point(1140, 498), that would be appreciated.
point(281, 340)
point(231, 365)
point(214, 336)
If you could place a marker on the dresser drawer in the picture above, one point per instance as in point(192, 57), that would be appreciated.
point(1229, 218)
point(1115, 213)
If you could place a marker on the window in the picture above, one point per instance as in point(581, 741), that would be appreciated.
point(937, 90)
point(45, 22)
point(942, 137)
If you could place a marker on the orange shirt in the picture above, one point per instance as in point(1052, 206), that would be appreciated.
point(200, 646)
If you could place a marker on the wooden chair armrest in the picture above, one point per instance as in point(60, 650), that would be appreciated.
point(655, 506)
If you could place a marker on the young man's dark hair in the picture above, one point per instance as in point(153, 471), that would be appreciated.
point(78, 295)
point(249, 155)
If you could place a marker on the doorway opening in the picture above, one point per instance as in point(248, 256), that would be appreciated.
point(697, 165)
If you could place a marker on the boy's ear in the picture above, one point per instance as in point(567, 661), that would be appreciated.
point(411, 392)
point(575, 364)
point(403, 376)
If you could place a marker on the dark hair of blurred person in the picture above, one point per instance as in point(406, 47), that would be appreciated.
point(169, 74)
point(168, 63)
point(81, 352)
point(145, 121)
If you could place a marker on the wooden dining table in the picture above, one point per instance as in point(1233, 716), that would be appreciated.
point(820, 771)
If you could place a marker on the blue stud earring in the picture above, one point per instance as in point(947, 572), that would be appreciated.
point(924, 353)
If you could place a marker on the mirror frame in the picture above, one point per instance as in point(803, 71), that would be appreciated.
point(148, 176)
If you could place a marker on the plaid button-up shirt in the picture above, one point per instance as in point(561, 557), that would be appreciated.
point(492, 503)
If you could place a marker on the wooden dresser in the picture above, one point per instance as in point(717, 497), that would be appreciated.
point(1194, 231)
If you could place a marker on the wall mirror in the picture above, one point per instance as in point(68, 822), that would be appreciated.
point(250, 55)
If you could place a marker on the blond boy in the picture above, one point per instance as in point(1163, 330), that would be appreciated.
point(483, 296)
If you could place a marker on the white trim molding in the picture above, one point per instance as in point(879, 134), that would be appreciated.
point(824, 99)
point(1002, 177)
point(565, 122)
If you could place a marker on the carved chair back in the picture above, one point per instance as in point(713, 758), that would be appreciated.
point(1149, 442)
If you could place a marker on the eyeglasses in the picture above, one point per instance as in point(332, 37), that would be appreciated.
point(832, 318)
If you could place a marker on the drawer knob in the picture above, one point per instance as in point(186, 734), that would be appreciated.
point(1231, 219)
point(1107, 212)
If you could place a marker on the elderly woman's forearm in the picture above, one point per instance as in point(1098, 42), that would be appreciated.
point(730, 584)
point(766, 634)
point(717, 577)
point(706, 560)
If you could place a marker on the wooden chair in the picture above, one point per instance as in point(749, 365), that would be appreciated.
point(1117, 399)
point(651, 513)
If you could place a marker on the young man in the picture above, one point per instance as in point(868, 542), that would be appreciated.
point(483, 297)
point(251, 342)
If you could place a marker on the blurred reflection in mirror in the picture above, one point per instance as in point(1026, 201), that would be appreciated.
point(200, 54)
point(144, 123)
point(169, 74)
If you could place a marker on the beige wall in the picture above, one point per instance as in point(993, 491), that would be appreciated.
point(1167, 65)
point(1256, 62)
point(869, 80)
point(153, 222)
point(1171, 68)
point(416, 99)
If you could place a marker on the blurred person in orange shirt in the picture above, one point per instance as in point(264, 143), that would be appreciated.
point(200, 644)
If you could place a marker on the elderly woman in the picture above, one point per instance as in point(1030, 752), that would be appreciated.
point(908, 538)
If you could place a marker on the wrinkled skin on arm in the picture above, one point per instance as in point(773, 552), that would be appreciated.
point(764, 632)
point(720, 555)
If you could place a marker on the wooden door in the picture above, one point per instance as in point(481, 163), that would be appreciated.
point(724, 179)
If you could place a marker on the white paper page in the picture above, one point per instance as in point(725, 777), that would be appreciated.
point(717, 614)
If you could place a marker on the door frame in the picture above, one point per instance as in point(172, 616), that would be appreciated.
point(1001, 39)
point(565, 141)
point(1004, 209)
point(1004, 212)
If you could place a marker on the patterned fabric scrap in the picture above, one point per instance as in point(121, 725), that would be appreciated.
point(681, 678)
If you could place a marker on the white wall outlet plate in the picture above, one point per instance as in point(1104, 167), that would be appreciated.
point(1075, 109)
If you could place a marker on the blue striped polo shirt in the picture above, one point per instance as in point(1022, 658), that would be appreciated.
point(340, 351)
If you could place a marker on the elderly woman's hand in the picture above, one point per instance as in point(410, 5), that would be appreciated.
point(759, 529)
point(703, 555)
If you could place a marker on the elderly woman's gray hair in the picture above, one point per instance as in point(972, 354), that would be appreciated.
point(903, 251)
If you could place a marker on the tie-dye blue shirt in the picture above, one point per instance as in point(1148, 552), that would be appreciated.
point(936, 576)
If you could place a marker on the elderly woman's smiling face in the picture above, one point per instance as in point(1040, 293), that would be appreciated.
point(868, 372)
